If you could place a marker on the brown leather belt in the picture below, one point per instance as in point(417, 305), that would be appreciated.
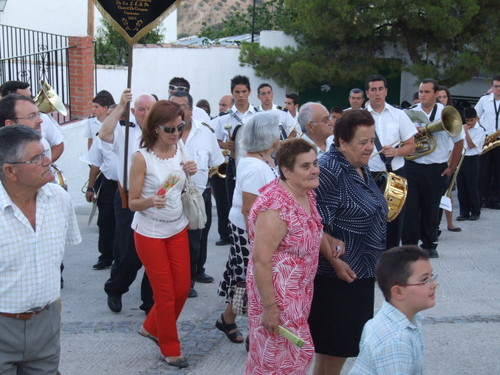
point(23, 316)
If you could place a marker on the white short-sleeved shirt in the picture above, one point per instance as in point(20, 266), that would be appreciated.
point(485, 109)
point(391, 125)
point(232, 118)
point(199, 114)
point(251, 175)
point(135, 134)
point(51, 130)
point(102, 156)
point(286, 119)
point(444, 143)
point(202, 147)
point(92, 128)
point(30, 260)
point(477, 135)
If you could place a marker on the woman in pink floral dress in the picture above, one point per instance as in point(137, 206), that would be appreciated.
point(285, 233)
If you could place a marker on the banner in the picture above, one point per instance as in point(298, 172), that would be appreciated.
point(135, 18)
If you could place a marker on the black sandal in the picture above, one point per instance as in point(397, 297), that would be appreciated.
point(227, 328)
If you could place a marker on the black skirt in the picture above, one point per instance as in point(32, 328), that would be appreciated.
point(339, 312)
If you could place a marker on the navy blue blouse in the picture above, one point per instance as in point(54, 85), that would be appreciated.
point(352, 209)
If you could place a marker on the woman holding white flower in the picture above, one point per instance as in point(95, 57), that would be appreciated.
point(157, 177)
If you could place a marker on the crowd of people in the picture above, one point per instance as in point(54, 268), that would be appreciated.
point(301, 202)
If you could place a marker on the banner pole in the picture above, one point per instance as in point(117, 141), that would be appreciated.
point(127, 127)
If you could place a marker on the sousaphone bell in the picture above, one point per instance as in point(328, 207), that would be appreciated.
point(48, 101)
point(450, 122)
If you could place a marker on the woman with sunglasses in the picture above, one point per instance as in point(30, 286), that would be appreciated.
point(157, 177)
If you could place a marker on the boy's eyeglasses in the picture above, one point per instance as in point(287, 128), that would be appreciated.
point(172, 129)
point(427, 281)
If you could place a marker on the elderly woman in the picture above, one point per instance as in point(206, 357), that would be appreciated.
point(157, 177)
point(354, 213)
point(255, 169)
point(285, 232)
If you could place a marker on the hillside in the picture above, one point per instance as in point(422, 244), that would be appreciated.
point(192, 13)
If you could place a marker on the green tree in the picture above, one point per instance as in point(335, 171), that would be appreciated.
point(343, 40)
point(112, 48)
point(269, 15)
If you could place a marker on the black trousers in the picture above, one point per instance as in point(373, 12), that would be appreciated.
point(219, 192)
point(198, 239)
point(230, 181)
point(425, 188)
point(106, 218)
point(126, 261)
point(395, 227)
point(489, 177)
point(467, 184)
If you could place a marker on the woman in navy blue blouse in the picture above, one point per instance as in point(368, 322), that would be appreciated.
point(354, 213)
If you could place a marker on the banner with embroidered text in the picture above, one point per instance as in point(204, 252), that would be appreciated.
point(135, 18)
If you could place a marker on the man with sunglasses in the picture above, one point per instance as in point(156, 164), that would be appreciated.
point(36, 223)
point(51, 131)
point(203, 148)
point(180, 84)
point(126, 263)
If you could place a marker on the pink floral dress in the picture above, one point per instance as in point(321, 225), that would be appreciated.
point(294, 265)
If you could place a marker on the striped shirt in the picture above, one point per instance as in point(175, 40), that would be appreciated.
point(353, 210)
point(390, 345)
point(30, 259)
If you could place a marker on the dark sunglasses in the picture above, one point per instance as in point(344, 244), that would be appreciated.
point(172, 129)
point(177, 88)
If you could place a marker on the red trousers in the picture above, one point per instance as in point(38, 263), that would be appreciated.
point(167, 265)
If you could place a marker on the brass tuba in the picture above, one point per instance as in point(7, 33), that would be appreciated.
point(450, 122)
point(48, 101)
point(491, 141)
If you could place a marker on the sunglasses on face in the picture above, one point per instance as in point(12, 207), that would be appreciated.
point(172, 129)
point(177, 88)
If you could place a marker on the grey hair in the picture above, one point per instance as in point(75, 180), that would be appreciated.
point(357, 91)
point(13, 140)
point(306, 115)
point(260, 132)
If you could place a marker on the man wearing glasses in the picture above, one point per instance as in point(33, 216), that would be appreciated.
point(316, 126)
point(126, 263)
point(203, 148)
point(488, 110)
point(22, 110)
point(51, 130)
point(32, 252)
point(179, 84)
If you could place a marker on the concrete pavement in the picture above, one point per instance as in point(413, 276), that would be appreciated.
point(462, 333)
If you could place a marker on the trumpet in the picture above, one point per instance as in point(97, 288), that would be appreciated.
point(450, 122)
point(221, 170)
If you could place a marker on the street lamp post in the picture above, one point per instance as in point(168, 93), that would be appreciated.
point(253, 19)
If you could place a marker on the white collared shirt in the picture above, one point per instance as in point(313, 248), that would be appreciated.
point(444, 143)
point(30, 260)
point(51, 130)
point(102, 156)
point(477, 135)
point(92, 128)
point(319, 151)
point(391, 125)
point(486, 112)
point(286, 119)
point(203, 148)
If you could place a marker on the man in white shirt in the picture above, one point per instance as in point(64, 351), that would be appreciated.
point(394, 131)
point(126, 262)
point(427, 176)
point(182, 85)
point(488, 111)
point(51, 131)
point(288, 126)
point(227, 127)
point(292, 103)
point(32, 252)
point(203, 148)
point(356, 99)
point(316, 126)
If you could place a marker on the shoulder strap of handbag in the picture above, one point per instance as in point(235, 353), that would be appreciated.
point(387, 161)
point(182, 149)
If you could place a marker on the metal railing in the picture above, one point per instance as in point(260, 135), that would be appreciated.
point(30, 56)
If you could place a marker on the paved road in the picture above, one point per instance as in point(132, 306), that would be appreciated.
point(462, 333)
